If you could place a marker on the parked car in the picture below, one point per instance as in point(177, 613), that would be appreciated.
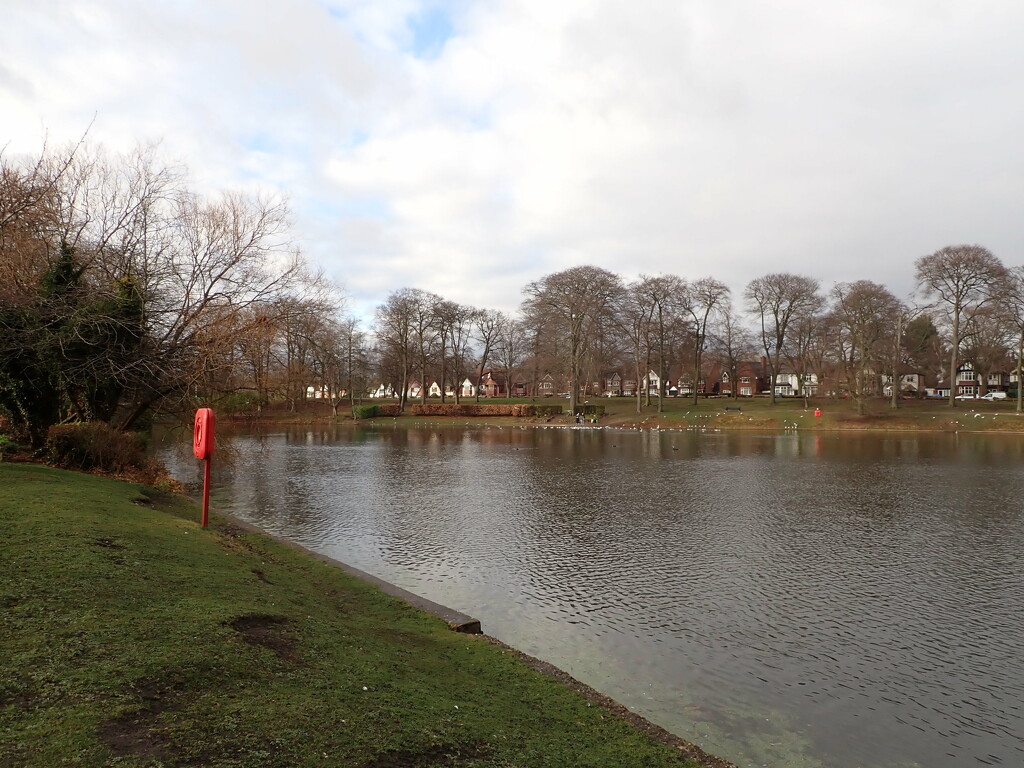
point(994, 396)
point(966, 397)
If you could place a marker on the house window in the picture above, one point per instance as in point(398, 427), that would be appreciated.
point(744, 379)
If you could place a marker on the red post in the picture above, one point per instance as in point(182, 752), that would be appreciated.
point(206, 491)
point(202, 447)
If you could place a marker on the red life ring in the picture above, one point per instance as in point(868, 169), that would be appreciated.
point(202, 438)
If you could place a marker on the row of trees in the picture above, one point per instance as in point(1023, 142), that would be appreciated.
point(122, 290)
point(582, 322)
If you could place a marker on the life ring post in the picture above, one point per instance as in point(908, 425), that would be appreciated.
point(202, 447)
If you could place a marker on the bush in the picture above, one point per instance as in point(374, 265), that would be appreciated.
point(7, 445)
point(96, 446)
point(364, 411)
point(374, 410)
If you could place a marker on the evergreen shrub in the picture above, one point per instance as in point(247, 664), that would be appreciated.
point(364, 411)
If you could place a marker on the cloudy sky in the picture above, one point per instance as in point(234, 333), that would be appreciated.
point(470, 147)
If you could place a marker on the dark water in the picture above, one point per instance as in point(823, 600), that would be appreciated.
point(786, 600)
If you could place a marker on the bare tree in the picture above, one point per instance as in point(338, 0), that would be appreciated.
point(987, 340)
point(220, 260)
point(665, 297)
point(703, 299)
point(804, 348)
point(732, 343)
point(866, 316)
point(898, 349)
point(456, 323)
point(490, 324)
point(511, 346)
point(427, 339)
point(340, 361)
point(394, 330)
point(1015, 309)
point(775, 300)
point(568, 305)
point(635, 313)
point(964, 278)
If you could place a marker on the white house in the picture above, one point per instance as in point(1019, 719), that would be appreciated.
point(787, 384)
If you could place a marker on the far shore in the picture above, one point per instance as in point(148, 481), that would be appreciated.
point(724, 414)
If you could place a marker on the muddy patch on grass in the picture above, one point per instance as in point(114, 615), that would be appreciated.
point(134, 735)
point(231, 537)
point(266, 631)
point(20, 693)
point(138, 733)
point(439, 755)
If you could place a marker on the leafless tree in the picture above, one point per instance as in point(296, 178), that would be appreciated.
point(635, 316)
point(510, 347)
point(988, 337)
point(490, 324)
point(221, 259)
point(394, 331)
point(456, 322)
point(569, 305)
point(664, 297)
point(1015, 308)
point(732, 343)
point(866, 316)
point(964, 278)
point(703, 300)
point(775, 300)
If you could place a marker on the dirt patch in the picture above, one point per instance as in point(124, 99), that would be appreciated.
point(134, 735)
point(231, 537)
point(138, 733)
point(266, 631)
point(20, 693)
point(143, 501)
point(686, 749)
point(260, 575)
point(440, 755)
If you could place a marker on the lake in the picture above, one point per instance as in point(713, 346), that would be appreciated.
point(803, 600)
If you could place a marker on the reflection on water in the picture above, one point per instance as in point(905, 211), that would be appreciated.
point(782, 600)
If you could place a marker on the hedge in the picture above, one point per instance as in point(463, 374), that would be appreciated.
point(465, 410)
point(374, 410)
point(475, 409)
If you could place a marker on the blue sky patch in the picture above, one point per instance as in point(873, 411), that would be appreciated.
point(431, 29)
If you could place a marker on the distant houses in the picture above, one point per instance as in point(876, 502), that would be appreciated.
point(748, 378)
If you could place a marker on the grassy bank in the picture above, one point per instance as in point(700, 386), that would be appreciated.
point(132, 637)
point(723, 413)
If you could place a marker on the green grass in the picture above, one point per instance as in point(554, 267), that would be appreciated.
point(131, 637)
point(757, 413)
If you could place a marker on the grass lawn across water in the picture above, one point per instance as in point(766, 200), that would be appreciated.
point(132, 637)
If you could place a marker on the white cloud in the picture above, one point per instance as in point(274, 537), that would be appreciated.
point(726, 138)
